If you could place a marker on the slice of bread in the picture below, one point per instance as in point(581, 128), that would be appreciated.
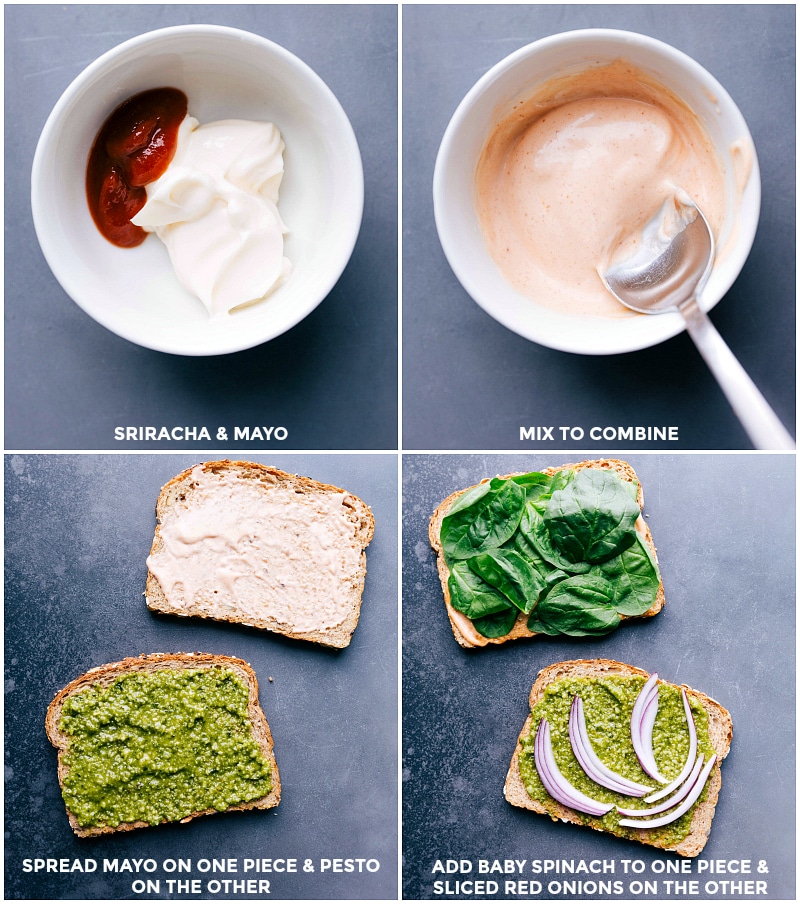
point(463, 629)
point(243, 542)
point(720, 731)
point(105, 675)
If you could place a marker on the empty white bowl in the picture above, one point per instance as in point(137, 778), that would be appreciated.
point(226, 74)
point(515, 78)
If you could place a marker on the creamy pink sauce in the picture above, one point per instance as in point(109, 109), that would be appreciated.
point(579, 166)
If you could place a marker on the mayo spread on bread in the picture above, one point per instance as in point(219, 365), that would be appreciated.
point(571, 170)
point(246, 550)
point(215, 208)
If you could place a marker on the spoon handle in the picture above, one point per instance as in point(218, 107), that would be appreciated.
point(752, 409)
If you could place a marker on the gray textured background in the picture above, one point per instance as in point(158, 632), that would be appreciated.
point(78, 531)
point(485, 382)
point(724, 526)
point(331, 380)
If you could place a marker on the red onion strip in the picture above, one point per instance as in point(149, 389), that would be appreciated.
point(554, 782)
point(689, 759)
point(670, 801)
point(591, 764)
point(642, 719)
point(644, 696)
point(648, 721)
point(696, 791)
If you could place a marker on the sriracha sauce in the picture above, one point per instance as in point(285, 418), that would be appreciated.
point(134, 146)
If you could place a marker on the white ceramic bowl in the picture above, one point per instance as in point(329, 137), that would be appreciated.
point(514, 78)
point(226, 74)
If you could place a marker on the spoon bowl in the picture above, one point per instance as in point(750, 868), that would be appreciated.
point(662, 268)
point(671, 262)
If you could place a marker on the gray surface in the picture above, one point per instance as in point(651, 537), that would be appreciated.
point(485, 382)
point(331, 381)
point(78, 530)
point(724, 527)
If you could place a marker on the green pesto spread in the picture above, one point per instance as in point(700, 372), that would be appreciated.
point(608, 703)
point(158, 746)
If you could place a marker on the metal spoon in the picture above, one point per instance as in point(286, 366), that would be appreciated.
point(666, 272)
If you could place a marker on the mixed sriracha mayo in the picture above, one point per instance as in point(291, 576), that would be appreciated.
point(576, 168)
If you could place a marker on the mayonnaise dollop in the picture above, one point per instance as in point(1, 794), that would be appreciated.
point(216, 210)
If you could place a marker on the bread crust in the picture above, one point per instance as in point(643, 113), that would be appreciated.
point(104, 675)
point(720, 730)
point(463, 631)
point(358, 514)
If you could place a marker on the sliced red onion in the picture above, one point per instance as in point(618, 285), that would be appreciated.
point(554, 782)
point(642, 720)
point(695, 792)
point(670, 801)
point(689, 759)
point(645, 694)
point(591, 763)
point(648, 721)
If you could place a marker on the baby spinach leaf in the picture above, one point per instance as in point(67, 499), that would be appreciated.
point(556, 576)
point(561, 479)
point(497, 625)
point(539, 494)
point(482, 519)
point(465, 500)
point(534, 531)
point(578, 606)
point(472, 595)
point(508, 572)
point(528, 552)
point(592, 519)
point(635, 578)
point(550, 575)
point(534, 482)
point(536, 625)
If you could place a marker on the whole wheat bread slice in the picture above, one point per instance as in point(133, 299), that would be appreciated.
point(463, 629)
point(720, 731)
point(105, 675)
point(305, 600)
